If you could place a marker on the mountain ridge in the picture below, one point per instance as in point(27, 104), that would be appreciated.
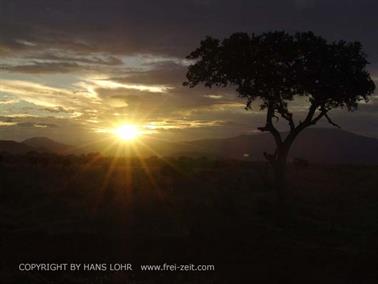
point(319, 145)
point(45, 144)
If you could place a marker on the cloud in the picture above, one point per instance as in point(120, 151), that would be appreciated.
point(169, 73)
point(58, 109)
point(36, 124)
point(38, 94)
point(173, 27)
point(7, 123)
point(36, 68)
point(110, 84)
point(82, 64)
point(59, 61)
point(57, 55)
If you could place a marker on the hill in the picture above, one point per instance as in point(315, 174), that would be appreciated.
point(44, 144)
point(321, 145)
point(318, 145)
point(14, 147)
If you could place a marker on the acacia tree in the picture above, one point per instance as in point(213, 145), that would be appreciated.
point(273, 69)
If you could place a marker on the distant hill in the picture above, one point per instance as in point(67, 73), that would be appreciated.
point(335, 146)
point(318, 145)
point(44, 144)
point(14, 147)
point(36, 144)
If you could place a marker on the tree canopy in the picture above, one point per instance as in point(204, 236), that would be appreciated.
point(276, 66)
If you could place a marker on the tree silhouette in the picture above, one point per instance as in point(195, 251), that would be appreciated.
point(273, 69)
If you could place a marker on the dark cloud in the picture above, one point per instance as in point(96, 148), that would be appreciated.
point(167, 73)
point(58, 61)
point(36, 124)
point(175, 27)
point(6, 119)
point(92, 35)
point(95, 58)
point(37, 67)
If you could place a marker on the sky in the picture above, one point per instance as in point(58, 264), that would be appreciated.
point(72, 69)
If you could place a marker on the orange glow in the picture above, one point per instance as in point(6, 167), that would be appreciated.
point(127, 132)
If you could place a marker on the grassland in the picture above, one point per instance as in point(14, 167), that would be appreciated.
point(92, 209)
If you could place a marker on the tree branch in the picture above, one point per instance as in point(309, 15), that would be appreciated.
point(324, 113)
point(303, 124)
point(289, 117)
point(310, 113)
point(318, 117)
point(283, 111)
point(269, 125)
point(330, 121)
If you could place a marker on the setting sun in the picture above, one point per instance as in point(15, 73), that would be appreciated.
point(127, 132)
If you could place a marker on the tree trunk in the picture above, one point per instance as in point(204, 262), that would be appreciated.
point(280, 166)
point(282, 209)
point(279, 163)
point(280, 180)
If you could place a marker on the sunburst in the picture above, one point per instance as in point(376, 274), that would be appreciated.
point(127, 132)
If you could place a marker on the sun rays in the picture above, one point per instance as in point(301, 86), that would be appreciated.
point(127, 132)
point(126, 147)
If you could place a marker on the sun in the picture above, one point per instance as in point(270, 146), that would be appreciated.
point(127, 132)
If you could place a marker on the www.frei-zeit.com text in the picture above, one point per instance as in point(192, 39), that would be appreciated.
point(113, 267)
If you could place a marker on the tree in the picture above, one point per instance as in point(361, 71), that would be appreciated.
point(273, 69)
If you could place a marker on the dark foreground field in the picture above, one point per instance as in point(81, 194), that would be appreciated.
point(88, 210)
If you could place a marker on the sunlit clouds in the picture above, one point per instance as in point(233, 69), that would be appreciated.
point(115, 88)
point(69, 69)
point(38, 94)
point(93, 83)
